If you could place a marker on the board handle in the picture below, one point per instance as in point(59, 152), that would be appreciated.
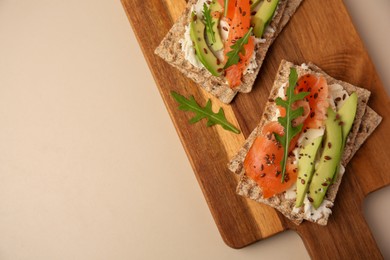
point(347, 234)
point(344, 240)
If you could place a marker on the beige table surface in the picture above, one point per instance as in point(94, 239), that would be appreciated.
point(90, 164)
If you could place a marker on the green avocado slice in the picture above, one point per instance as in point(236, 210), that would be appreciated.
point(306, 158)
point(329, 161)
point(202, 51)
point(347, 114)
point(263, 16)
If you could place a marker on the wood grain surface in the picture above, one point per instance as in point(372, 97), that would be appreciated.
point(321, 32)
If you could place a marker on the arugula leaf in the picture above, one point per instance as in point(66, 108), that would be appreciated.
point(238, 47)
point(208, 22)
point(226, 4)
point(289, 130)
point(206, 112)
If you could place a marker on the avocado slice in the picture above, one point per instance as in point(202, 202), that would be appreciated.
point(214, 39)
point(329, 161)
point(202, 51)
point(306, 158)
point(263, 16)
point(347, 115)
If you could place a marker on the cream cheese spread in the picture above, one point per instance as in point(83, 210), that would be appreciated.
point(323, 210)
point(337, 96)
point(187, 48)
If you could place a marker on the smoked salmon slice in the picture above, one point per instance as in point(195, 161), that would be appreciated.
point(262, 163)
point(234, 73)
point(317, 99)
point(239, 26)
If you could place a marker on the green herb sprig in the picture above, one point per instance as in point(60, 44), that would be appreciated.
point(289, 130)
point(209, 23)
point(238, 47)
point(203, 112)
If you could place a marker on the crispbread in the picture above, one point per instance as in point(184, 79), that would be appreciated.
point(170, 50)
point(370, 121)
point(366, 121)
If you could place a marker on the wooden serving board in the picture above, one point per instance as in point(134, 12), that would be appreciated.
point(321, 32)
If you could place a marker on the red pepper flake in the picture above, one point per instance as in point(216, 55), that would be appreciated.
point(262, 175)
point(337, 99)
point(220, 70)
point(225, 29)
point(315, 95)
point(310, 199)
point(324, 184)
point(329, 145)
point(205, 50)
point(327, 157)
point(253, 13)
point(303, 181)
point(341, 123)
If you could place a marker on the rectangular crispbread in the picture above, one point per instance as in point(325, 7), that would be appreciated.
point(170, 50)
point(366, 121)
